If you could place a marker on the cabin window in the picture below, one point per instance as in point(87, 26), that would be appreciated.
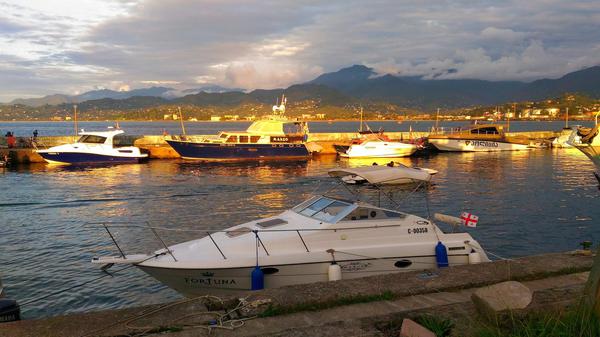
point(232, 139)
point(254, 139)
point(121, 141)
point(223, 135)
point(485, 131)
point(243, 139)
point(92, 139)
point(402, 263)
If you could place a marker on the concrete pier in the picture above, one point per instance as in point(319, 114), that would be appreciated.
point(23, 153)
point(335, 308)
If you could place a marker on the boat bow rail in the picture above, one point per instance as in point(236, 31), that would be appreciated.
point(126, 258)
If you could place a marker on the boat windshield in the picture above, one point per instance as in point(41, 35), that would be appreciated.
point(324, 209)
point(92, 139)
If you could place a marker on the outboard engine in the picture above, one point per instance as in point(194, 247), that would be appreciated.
point(9, 310)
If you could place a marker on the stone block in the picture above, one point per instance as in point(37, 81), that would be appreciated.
point(498, 300)
point(411, 328)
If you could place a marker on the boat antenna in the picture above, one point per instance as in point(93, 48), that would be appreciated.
point(437, 117)
point(181, 120)
point(567, 118)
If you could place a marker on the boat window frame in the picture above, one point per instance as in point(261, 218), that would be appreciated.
point(484, 130)
point(84, 139)
point(334, 218)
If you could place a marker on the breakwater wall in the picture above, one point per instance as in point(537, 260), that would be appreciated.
point(294, 307)
point(24, 152)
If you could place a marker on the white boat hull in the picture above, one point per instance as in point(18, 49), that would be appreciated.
point(467, 145)
point(378, 149)
point(193, 282)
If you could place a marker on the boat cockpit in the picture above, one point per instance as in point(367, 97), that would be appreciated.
point(486, 130)
point(92, 139)
point(333, 210)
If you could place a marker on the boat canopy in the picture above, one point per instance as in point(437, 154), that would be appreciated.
point(266, 127)
point(382, 174)
point(275, 127)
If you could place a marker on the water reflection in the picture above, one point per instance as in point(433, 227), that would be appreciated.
point(528, 202)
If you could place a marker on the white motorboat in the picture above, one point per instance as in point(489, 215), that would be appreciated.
point(324, 238)
point(384, 175)
point(379, 148)
point(478, 138)
point(94, 147)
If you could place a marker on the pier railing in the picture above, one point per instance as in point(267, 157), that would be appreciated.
point(209, 233)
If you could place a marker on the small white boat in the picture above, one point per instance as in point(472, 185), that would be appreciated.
point(324, 238)
point(383, 175)
point(94, 147)
point(378, 148)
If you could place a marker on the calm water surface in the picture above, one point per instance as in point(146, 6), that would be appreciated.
point(528, 203)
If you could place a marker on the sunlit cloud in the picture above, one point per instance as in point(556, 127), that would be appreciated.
point(72, 46)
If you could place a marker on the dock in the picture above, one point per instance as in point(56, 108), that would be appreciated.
point(357, 307)
point(157, 148)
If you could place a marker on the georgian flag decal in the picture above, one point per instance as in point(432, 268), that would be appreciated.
point(469, 220)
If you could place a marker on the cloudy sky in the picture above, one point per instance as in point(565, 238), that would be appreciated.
point(71, 46)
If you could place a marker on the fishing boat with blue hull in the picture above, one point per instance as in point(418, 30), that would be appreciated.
point(95, 148)
point(274, 136)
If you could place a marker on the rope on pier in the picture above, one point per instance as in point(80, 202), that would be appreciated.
point(223, 320)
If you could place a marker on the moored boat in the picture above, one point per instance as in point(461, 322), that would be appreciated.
point(379, 148)
point(384, 175)
point(95, 148)
point(274, 136)
point(478, 138)
point(323, 238)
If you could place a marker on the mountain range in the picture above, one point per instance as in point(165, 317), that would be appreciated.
point(164, 92)
point(350, 85)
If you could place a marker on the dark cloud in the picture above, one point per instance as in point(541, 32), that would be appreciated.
point(269, 44)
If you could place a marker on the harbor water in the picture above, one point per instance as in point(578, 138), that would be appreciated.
point(531, 202)
point(25, 129)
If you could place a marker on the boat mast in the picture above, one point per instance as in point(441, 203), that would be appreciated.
point(181, 120)
point(75, 118)
point(437, 117)
point(361, 119)
point(567, 119)
point(507, 120)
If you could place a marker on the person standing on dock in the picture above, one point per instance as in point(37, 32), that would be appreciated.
point(10, 139)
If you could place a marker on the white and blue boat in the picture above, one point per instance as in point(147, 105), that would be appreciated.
point(274, 136)
point(95, 147)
